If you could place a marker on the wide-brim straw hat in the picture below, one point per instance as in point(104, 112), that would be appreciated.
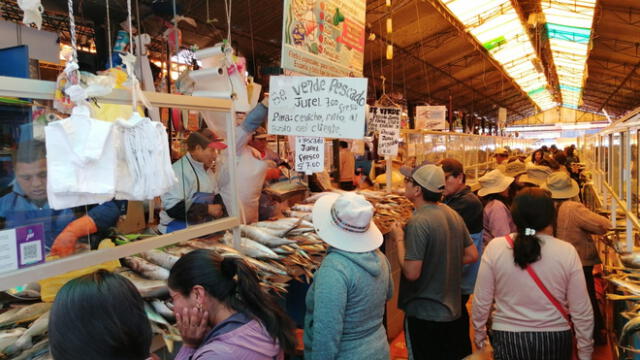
point(494, 182)
point(561, 186)
point(346, 222)
point(536, 174)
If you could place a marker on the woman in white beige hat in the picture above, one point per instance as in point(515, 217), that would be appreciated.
point(496, 217)
point(575, 224)
point(346, 302)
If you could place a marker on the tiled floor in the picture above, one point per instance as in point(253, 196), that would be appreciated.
point(399, 349)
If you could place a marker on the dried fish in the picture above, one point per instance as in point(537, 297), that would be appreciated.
point(631, 260)
point(145, 268)
point(626, 285)
point(160, 258)
point(8, 339)
point(148, 288)
point(251, 248)
point(37, 328)
point(24, 314)
point(630, 327)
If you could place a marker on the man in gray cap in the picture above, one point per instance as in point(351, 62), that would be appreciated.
point(431, 251)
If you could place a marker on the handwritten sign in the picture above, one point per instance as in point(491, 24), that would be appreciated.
point(383, 118)
point(324, 37)
point(431, 117)
point(309, 154)
point(388, 142)
point(317, 106)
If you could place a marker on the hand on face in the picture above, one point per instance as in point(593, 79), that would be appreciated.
point(193, 325)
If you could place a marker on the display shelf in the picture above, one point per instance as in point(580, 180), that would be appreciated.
point(44, 90)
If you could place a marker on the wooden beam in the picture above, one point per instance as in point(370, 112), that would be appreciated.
point(619, 86)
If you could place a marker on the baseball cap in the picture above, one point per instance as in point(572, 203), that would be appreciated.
point(430, 177)
point(205, 138)
point(501, 151)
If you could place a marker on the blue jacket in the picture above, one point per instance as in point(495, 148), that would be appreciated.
point(17, 210)
point(345, 307)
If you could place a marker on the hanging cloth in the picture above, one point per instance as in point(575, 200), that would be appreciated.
point(144, 163)
point(81, 160)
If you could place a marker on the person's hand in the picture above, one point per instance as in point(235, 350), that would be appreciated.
point(396, 233)
point(64, 244)
point(265, 101)
point(193, 326)
point(215, 210)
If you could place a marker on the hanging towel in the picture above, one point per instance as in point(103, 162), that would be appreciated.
point(81, 160)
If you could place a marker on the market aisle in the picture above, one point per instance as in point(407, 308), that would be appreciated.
point(399, 349)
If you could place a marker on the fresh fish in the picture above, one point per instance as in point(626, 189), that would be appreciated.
point(302, 207)
point(8, 338)
point(179, 251)
point(251, 248)
point(313, 198)
point(299, 214)
point(630, 327)
point(160, 258)
point(631, 260)
point(263, 237)
point(39, 349)
point(161, 308)
point(216, 247)
point(37, 328)
point(145, 268)
point(24, 314)
point(148, 288)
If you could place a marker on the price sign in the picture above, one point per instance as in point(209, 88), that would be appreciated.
point(317, 106)
point(388, 142)
point(309, 154)
point(383, 118)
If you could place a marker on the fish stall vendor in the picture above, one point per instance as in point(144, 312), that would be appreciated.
point(27, 204)
point(194, 198)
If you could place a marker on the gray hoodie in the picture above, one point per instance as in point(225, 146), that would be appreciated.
point(345, 307)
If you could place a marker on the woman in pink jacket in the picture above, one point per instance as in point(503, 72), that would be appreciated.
point(223, 313)
point(496, 216)
point(525, 323)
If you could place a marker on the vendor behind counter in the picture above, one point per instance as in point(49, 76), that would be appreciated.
point(27, 204)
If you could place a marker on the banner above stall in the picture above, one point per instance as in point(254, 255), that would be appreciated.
point(431, 117)
point(324, 37)
point(317, 106)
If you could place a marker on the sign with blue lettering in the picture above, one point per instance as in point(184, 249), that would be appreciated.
point(317, 106)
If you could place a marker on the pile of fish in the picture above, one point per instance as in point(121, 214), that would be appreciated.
point(389, 208)
point(23, 334)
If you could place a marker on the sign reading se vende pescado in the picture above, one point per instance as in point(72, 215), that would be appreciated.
point(317, 106)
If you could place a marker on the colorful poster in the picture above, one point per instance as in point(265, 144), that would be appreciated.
point(317, 106)
point(324, 37)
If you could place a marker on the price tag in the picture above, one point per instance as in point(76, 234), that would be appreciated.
point(309, 154)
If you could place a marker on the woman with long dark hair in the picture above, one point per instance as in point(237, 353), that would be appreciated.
point(223, 312)
point(530, 317)
point(99, 316)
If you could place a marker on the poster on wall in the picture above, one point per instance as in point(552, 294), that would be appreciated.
point(324, 37)
point(383, 118)
point(431, 117)
point(317, 106)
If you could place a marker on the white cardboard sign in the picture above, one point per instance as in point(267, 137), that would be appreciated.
point(317, 106)
point(383, 118)
point(8, 250)
point(309, 154)
point(388, 142)
point(431, 117)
